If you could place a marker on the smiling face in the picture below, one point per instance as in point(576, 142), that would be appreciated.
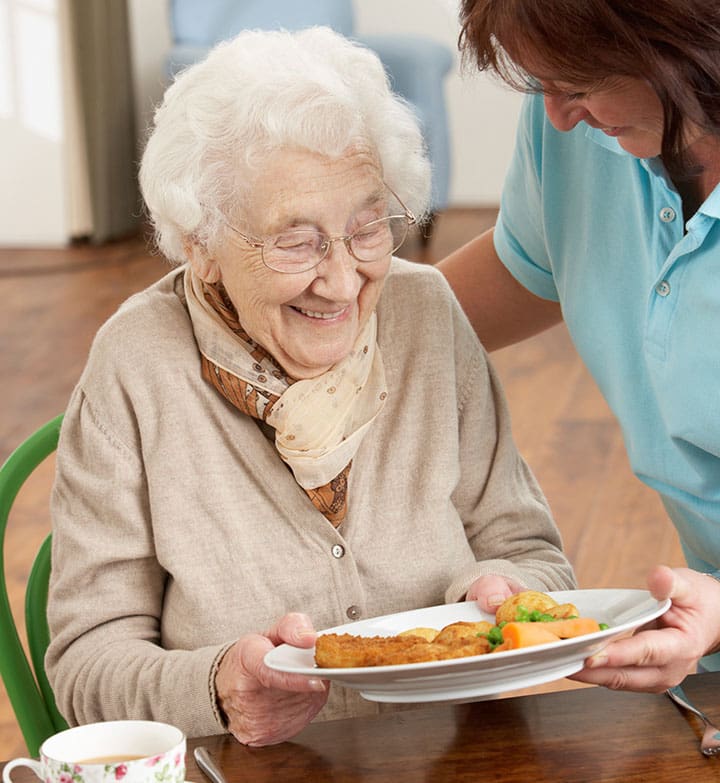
point(308, 321)
point(623, 107)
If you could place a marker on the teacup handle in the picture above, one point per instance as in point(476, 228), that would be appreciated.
point(35, 766)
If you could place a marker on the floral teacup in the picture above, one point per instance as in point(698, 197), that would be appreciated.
point(123, 751)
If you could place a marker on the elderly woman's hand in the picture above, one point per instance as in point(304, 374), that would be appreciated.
point(262, 706)
point(656, 658)
point(491, 590)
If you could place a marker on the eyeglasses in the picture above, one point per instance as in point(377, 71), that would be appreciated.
point(299, 250)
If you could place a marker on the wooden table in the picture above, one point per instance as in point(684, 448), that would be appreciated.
point(579, 736)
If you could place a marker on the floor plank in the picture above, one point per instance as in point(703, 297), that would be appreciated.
point(614, 528)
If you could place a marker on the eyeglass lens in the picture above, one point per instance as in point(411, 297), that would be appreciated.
point(295, 251)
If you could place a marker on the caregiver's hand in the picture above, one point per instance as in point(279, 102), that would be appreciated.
point(262, 706)
point(491, 590)
point(660, 656)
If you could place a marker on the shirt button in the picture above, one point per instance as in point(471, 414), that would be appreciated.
point(338, 551)
point(667, 214)
point(353, 612)
point(662, 288)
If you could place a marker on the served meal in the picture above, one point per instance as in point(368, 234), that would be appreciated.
point(525, 619)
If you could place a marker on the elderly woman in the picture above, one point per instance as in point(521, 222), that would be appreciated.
point(290, 429)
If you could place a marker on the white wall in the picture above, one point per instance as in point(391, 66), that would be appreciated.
point(36, 160)
point(33, 197)
point(482, 113)
point(150, 42)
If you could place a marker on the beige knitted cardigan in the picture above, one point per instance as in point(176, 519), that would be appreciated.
point(177, 528)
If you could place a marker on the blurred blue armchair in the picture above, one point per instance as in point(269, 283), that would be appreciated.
point(417, 65)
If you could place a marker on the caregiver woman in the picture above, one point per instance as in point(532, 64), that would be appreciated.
point(610, 220)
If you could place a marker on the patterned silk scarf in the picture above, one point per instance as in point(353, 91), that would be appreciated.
point(319, 423)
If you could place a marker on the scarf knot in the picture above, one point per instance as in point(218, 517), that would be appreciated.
point(319, 422)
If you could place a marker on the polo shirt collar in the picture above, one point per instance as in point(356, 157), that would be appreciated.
point(711, 205)
point(653, 165)
point(609, 142)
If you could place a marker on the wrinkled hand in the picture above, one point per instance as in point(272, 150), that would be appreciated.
point(662, 654)
point(262, 706)
point(491, 590)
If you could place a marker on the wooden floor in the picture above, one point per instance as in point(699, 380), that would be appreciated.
point(53, 301)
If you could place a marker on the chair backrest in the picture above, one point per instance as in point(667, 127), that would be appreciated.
point(27, 686)
point(212, 21)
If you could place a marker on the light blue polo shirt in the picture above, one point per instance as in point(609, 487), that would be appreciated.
point(587, 224)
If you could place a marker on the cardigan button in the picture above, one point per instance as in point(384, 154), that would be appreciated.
point(338, 551)
point(353, 612)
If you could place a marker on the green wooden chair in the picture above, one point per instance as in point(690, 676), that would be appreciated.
point(27, 686)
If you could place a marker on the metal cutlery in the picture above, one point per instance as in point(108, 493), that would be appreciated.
point(207, 764)
point(710, 743)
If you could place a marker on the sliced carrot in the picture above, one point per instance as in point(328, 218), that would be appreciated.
point(526, 635)
point(572, 626)
point(521, 634)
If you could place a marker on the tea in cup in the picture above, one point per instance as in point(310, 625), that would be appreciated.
point(123, 751)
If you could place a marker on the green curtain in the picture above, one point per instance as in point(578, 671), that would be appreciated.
point(100, 40)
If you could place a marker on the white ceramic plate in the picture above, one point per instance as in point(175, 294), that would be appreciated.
point(478, 676)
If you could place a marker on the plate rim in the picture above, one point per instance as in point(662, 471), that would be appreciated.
point(449, 665)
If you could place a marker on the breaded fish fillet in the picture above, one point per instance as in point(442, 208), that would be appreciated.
point(334, 651)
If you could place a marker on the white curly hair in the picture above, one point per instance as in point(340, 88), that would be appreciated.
point(260, 93)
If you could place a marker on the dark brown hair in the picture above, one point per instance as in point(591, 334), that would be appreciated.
point(672, 44)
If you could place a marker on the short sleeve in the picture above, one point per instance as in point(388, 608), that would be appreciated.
point(520, 239)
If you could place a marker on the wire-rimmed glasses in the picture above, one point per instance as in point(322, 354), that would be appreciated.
point(299, 250)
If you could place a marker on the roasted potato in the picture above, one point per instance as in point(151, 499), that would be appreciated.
point(461, 631)
point(563, 611)
point(424, 633)
point(530, 600)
